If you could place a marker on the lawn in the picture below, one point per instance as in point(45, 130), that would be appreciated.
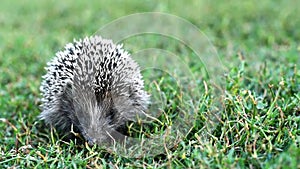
point(224, 79)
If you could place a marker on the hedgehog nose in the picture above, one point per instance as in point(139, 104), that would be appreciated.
point(91, 141)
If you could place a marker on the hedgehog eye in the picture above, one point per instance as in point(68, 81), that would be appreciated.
point(111, 115)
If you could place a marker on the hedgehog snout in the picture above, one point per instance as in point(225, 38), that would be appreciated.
point(99, 136)
point(91, 141)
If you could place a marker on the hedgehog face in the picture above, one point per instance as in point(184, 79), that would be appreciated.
point(101, 121)
point(92, 120)
point(98, 121)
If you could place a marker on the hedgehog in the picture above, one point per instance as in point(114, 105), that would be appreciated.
point(92, 87)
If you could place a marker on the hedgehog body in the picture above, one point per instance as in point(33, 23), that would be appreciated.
point(94, 87)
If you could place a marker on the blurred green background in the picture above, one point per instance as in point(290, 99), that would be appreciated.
point(255, 27)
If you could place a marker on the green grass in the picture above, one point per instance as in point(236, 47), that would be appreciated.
point(258, 122)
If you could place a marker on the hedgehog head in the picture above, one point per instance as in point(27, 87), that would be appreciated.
point(98, 119)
